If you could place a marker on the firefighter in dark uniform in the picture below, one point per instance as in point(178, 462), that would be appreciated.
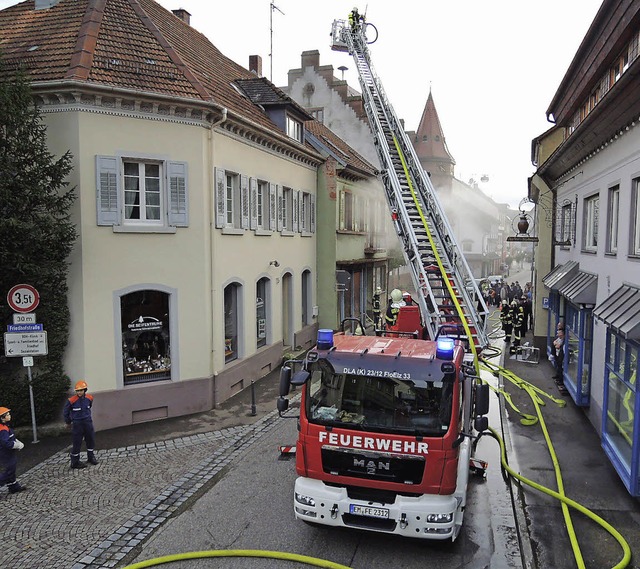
point(77, 414)
point(9, 447)
point(377, 309)
point(517, 318)
point(395, 302)
point(505, 320)
point(355, 19)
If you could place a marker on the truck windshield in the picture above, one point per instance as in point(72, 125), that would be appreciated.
point(378, 404)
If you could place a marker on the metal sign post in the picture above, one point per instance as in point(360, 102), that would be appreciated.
point(26, 337)
point(28, 362)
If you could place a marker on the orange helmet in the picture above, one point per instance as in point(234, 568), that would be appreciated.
point(81, 385)
point(4, 411)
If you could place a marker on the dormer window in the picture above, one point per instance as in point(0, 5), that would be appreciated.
point(294, 129)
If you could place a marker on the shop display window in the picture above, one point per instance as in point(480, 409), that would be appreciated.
point(146, 340)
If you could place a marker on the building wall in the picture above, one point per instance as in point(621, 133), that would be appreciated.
point(192, 264)
point(617, 163)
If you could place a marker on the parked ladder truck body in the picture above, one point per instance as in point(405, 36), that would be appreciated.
point(388, 421)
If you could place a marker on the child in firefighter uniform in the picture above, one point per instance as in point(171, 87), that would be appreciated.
point(77, 413)
point(9, 447)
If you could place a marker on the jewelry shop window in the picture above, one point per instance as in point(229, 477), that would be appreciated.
point(146, 340)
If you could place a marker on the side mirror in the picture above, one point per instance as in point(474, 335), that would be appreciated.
point(283, 404)
point(481, 424)
point(482, 399)
point(285, 381)
point(300, 378)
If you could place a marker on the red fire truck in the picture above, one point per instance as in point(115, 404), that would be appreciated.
point(385, 431)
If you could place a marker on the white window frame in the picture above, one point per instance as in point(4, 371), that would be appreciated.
point(232, 201)
point(294, 128)
point(591, 221)
point(111, 194)
point(287, 210)
point(635, 221)
point(613, 213)
point(567, 222)
point(140, 185)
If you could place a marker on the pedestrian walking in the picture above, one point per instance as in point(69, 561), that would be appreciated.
point(77, 414)
point(9, 447)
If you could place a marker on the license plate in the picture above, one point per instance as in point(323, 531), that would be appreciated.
point(369, 511)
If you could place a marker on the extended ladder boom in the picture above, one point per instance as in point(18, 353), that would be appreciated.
point(446, 290)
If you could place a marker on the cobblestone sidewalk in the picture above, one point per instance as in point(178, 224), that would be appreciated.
point(96, 516)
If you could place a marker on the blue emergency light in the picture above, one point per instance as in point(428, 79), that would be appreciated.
point(444, 348)
point(325, 339)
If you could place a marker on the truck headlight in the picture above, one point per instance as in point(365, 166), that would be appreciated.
point(439, 518)
point(306, 500)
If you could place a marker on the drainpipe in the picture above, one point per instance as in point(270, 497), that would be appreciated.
point(212, 225)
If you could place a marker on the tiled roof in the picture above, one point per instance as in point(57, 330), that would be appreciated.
point(430, 142)
point(262, 92)
point(339, 147)
point(133, 44)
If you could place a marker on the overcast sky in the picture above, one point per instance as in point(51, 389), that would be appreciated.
point(493, 66)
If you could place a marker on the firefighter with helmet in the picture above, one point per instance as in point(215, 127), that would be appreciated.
point(505, 320)
point(517, 318)
point(9, 447)
point(77, 414)
point(395, 302)
point(377, 309)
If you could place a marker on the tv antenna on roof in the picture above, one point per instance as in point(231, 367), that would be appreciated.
point(273, 7)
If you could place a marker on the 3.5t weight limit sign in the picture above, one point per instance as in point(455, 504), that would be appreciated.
point(23, 298)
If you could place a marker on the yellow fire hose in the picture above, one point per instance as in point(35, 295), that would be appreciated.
point(238, 553)
point(536, 395)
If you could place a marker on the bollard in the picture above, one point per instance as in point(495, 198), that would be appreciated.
point(253, 399)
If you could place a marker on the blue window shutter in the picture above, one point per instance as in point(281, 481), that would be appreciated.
point(178, 194)
point(221, 204)
point(107, 190)
point(279, 207)
point(273, 206)
point(244, 202)
point(253, 209)
point(312, 213)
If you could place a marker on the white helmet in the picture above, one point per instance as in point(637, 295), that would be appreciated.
point(396, 295)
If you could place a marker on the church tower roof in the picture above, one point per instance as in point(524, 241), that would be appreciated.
point(429, 141)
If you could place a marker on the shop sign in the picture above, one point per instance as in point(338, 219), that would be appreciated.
point(145, 323)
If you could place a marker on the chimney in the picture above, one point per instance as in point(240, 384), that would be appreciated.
point(311, 59)
point(44, 4)
point(255, 65)
point(183, 15)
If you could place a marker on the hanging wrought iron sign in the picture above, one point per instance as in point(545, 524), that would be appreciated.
point(525, 221)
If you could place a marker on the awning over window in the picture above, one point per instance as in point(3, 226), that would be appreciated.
point(621, 311)
point(560, 275)
point(581, 289)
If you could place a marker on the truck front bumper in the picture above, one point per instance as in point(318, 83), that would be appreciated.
point(428, 516)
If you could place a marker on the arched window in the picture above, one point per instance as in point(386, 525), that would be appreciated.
point(262, 311)
point(146, 338)
point(306, 298)
point(231, 321)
